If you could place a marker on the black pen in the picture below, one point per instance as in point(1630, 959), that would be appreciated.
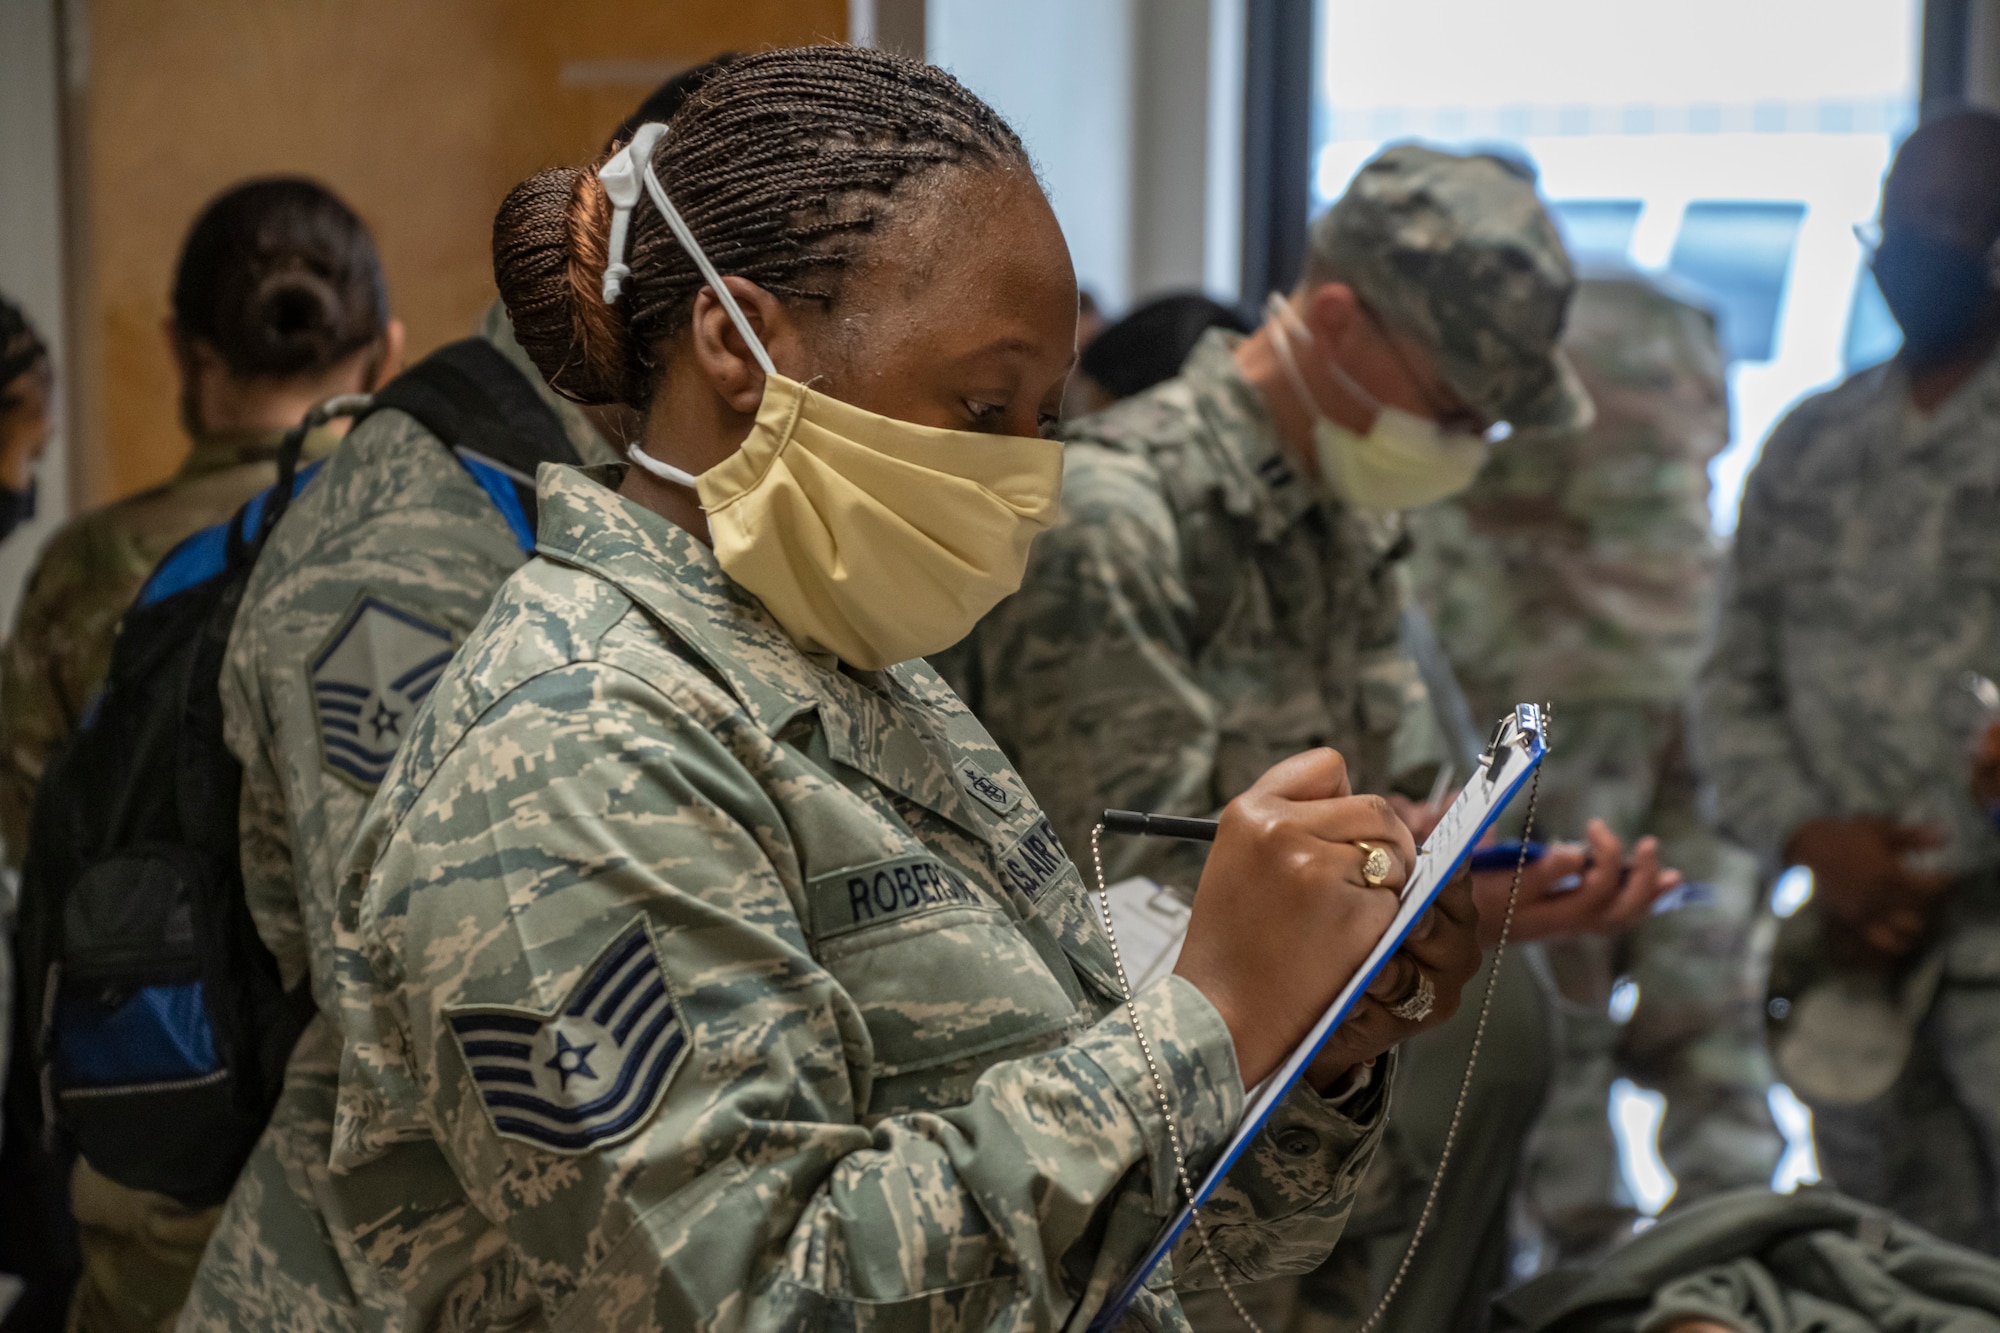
point(1160, 826)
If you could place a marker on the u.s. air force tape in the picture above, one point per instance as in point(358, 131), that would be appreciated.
point(1035, 860)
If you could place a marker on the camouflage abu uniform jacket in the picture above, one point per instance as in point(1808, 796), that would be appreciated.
point(1862, 586)
point(82, 584)
point(393, 551)
point(1200, 614)
point(741, 991)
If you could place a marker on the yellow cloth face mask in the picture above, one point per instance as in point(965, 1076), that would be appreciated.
point(873, 539)
point(1403, 462)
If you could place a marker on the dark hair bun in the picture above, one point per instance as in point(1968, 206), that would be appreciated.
point(281, 279)
point(291, 323)
point(550, 243)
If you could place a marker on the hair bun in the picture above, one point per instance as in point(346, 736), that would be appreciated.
point(280, 278)
point(550, 243)
point(292, 323)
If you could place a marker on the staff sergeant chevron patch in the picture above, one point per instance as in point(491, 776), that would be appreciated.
point(369, 677)
point(592, 1072)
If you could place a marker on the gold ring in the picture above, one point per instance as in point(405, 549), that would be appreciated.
point(1417, 1005)
point(1375, 866)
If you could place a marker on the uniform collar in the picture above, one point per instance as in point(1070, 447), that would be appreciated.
point(1976, 400)
point(1257, 478)
point(875, 723)
point(218, 451)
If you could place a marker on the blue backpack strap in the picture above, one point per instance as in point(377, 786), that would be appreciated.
point(493, 420)
point(206, 554)
point(512, 494)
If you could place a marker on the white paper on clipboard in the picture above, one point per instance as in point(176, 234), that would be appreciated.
point(1517, 747)
point(1151, 922)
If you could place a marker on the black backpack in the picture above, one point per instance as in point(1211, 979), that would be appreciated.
point(152, 1027)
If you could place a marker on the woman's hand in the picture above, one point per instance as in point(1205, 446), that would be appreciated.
point(1284, 916)
point(1610, 895)
point(1443, 950)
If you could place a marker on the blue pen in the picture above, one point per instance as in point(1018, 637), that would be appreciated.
point(1504, 856)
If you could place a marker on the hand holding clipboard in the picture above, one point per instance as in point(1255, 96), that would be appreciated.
point(1517, 748)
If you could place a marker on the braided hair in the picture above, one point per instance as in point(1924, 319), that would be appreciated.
point(781, 163)
point(21, 348)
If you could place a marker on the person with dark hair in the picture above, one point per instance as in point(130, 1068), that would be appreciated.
point(701, 961)
point(1148, 345)
point(1833, 715)
point(386, 559)
point(278, 301)
point(1226, 588)
point(27, 414)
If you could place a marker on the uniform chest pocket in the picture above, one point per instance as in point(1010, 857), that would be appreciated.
point(941, 974)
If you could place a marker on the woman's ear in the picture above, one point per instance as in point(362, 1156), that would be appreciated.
point(722, 355)
point(392, 355)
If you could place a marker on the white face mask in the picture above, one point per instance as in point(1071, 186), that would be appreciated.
point(1403, 462)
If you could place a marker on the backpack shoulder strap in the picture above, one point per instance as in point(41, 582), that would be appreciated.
point(487, 413)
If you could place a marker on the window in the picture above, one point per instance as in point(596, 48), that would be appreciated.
point(1738, 255)
point(1733, 145)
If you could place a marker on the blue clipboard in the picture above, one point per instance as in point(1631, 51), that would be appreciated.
point(1517, 747)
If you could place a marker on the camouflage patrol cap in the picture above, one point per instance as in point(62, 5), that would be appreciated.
point(1459, 253)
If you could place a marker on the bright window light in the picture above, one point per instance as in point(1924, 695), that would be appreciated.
point(1736, 145)
point(1624, 1000)
point(1800, 1164)
point(1793, 890)
point(1636, 1114)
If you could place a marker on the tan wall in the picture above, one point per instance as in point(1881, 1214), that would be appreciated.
point(421, 113)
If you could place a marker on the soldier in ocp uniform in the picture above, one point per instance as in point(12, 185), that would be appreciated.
point(1580, 567)
point(278, 302)
point(1834, 716)
point(703, 962)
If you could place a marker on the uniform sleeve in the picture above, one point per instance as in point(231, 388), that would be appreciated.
point(1762, 792)
point(54, 663)
point(270, 885)
point(1099, 705)
point(1280, 1210)
point(754, 1191)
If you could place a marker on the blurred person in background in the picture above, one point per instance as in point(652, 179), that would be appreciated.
point(1580, 568)
point(1132, 354)
point(27, 419)
point(1835, 721)
point(1090, 322)
point(27, 414)
point(278, 302)
point(395, 550)
point(1225, 588)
